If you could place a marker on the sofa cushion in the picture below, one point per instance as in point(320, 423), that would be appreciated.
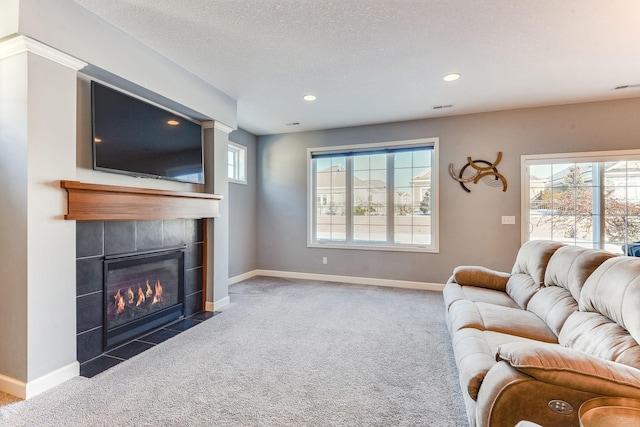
point(465, 314)
point(567, 271)
point(480, 276)
point(475, 353)
point(507, 320)
point(521, 287)
point(597, 335)
point(566, 367)
point(474, 358)
point(533, 257)
point(514, 321)
point(554, 305)
point(454, 292)
point(570, 267)
point(613, 290)
point(527, 274)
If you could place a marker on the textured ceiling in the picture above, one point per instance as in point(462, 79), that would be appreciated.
point(373, 61)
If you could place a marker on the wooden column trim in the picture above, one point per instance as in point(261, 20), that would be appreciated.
point(97, 202)
point(205, 262)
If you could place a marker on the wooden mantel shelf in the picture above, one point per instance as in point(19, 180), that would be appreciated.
point(95, 202)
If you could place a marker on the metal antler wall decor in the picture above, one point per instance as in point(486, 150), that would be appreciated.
point(479, 172)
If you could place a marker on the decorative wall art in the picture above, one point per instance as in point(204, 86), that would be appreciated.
point(476, 170)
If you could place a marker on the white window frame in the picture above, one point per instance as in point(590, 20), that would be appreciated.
point(434, 247)
point(240, 163)
point(559, 158)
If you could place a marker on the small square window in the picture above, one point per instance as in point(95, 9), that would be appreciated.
point(237, 163)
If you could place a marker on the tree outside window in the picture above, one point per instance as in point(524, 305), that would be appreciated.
point(592, 204)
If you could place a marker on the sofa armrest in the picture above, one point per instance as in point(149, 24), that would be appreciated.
point(481, 277)
point(566, 367)
point(508, 396)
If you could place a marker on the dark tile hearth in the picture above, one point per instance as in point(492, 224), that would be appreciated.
point(182, 325)
point(98, 365)
point(204, 315)
point(133, 348)
point(159, 336)
point(129, 350)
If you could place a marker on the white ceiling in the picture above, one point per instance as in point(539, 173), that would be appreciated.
point(375, 61)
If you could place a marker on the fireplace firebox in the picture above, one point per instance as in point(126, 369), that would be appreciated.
point(142, 291)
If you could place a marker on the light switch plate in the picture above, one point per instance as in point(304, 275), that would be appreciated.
point(508, 219)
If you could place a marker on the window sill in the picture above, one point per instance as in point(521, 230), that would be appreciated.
point(235, 181)
point(362, 247)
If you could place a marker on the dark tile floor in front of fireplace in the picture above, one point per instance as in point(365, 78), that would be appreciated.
point(137, 346)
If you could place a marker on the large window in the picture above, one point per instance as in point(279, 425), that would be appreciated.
point(375, 196)
point(584, 199)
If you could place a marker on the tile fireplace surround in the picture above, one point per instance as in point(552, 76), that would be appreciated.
point(97, 239)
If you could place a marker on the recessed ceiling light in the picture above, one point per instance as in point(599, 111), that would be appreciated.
point(451, 77)
point(309, 97)
point(173, 122)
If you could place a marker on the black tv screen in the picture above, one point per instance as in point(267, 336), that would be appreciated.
point(133, 137)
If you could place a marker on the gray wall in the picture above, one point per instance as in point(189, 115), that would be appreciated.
point(243, 229)
point(470, 225)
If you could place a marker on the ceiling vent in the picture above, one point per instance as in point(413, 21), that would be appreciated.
point(441, 107)
point(637, 85)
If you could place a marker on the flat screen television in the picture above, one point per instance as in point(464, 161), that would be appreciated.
point(134, 137)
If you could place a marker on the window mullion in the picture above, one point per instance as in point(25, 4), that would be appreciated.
point(598, 188)
point(235, 165)
point(349, 199)
point(390, 199)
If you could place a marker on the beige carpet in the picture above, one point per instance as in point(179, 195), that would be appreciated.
point(284, 353)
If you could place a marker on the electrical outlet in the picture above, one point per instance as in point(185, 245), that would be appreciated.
point(509, 220)
point(324, 260)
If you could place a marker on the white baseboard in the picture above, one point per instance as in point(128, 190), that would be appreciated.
point(425, 286)
point(217, 305)
point(240, 277)
point(25, 390)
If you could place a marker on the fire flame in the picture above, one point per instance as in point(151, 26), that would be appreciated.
point(158, 296)
point(141, 297)
point(119, 302)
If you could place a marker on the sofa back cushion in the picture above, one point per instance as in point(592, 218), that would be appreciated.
point(521, 287)
point(613, 290)
point(527, 274)
point(607, 324)
point(567, 271)
point(533, 257)
point(553, 305)
point(571, 266)
point(598, 336)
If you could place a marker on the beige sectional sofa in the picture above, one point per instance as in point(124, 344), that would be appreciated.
point(563, 327)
